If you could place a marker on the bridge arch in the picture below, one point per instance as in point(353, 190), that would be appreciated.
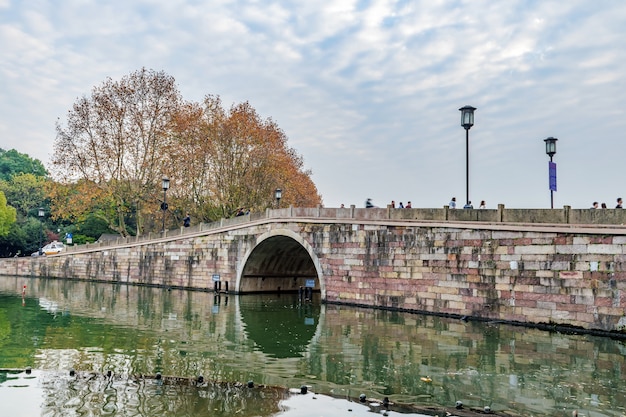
point(280, 261)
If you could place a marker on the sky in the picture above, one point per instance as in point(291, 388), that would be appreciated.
point(367, 92)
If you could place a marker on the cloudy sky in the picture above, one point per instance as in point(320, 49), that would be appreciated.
point(367, 92)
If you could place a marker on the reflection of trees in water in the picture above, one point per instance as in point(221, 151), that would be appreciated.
point(93, 394)
point(480, 364)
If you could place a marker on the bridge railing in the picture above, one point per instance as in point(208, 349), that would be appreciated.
point(566, 215)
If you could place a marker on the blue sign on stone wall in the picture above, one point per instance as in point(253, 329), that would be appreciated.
point(552, 174)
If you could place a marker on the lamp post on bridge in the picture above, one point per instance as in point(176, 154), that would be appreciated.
point(467, 121)
point(165, 184)
point(551, 151)
point(278, 194)
point(41, 213)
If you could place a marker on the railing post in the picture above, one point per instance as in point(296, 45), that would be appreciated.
point(445, 212)
point(352, 207)
point(566, 212)
point(500, 213)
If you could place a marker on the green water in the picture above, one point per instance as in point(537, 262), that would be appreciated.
point(57, 325)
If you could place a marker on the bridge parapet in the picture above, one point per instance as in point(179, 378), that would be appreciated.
point(566, 215)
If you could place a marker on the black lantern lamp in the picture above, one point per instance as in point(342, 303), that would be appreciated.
point(278, 194)
point(550, 146)
point(467, 116)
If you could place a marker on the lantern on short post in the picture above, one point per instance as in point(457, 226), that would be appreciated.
point(41, 213)
point(278, 194)
point(165, 184)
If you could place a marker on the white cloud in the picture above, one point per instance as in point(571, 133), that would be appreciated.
point(367, 92)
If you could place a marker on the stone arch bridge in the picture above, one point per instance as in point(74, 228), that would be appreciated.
point(548, 267)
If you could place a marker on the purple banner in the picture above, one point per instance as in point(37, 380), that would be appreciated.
point(552, 175)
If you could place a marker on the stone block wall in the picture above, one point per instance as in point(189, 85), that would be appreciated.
point(187, 262)
point(525, 276)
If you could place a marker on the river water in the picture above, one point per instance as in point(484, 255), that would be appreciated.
point(135, 333)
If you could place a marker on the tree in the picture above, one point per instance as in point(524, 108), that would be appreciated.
point(24, 189)
point(22, 239)
point(13, 163)
point(26, 192)
point(233, 159)
point(114, 139)
point(75, 202)
point(92, 227)
point(7, 215)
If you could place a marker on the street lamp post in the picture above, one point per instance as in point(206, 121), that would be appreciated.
point(41, 213)
point(165, 184)
point(278, 194)
point(467, 121)
point(551, 151)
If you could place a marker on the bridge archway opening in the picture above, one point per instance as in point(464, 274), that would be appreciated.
point(279, 264)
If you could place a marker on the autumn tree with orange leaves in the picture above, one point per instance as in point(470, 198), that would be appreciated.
point(235, 159)
point(117, 144)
